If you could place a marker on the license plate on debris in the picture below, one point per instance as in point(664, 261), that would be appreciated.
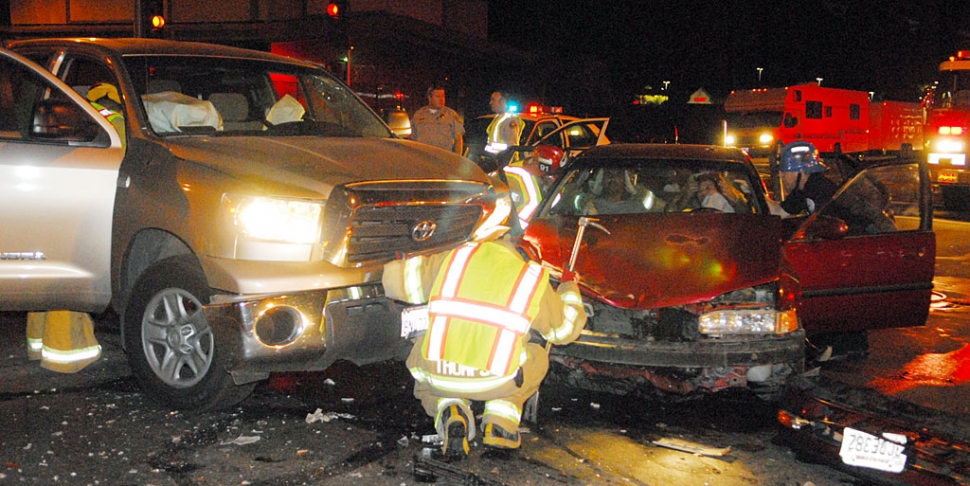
point(865, 450)
point(414, 321)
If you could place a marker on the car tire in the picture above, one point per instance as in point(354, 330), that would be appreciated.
point(172, 350)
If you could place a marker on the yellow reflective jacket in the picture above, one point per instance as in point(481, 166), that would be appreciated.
point(483, 301)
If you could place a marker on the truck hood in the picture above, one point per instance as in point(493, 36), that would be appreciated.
point(663, 259)
point(318, 164)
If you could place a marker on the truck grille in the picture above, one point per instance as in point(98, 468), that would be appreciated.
point(371, 222)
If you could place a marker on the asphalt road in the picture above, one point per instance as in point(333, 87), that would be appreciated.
point(96, 427)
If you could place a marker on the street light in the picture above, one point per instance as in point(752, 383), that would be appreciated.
point(819, 81)
point(666, 83)
point(759, 74)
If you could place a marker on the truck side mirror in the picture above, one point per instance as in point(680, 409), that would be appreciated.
point(63, 121)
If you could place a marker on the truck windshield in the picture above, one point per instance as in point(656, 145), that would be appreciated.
point(754, 119)
point(226, 97)
point(953, 91)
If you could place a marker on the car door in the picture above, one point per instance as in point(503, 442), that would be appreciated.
point(866, 259)
point(59, 161)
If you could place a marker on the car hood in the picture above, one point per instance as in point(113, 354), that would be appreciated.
point(664, 259)
point(318, 164)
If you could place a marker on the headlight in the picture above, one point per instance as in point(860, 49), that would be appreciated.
point(766, 139)
point(273, 219)
point(730, 140)
point(748, 321)
point(949, 146)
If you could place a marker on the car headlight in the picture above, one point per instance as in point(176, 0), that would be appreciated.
point(275, 219)
point(748, 321)
point(766, 139)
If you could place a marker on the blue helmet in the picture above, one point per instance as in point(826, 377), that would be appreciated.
point(800, 157)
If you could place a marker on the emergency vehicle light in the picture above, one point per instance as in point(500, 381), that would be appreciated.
point(963, 54)
point(951, 130)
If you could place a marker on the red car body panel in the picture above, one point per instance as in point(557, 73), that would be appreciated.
point(664, 259)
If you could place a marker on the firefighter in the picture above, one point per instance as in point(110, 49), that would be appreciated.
point(492, 315)
point(104, 97)
point(505, 130)
point(803, 183)
point(62, 340)
point(526, 184)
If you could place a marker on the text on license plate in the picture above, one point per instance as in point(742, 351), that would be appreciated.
point(414, 321)
point(865, 450)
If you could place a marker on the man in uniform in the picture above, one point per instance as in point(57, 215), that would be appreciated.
point(803, 181)
point(491, 316)
point(438, 125)
point(505, 129)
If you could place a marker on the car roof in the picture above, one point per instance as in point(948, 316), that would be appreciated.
point(161, 47)
point(538, 116)
point(665, 151)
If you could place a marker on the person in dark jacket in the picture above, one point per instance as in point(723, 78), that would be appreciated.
point(803, 182)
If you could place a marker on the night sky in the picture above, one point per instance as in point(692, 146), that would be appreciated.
point(610, 49)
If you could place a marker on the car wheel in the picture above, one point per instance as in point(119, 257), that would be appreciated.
point(172, 350)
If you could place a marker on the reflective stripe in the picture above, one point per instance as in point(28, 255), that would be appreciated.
point(413, 288)
point(497, 123)
point(483, 313)
point(503, 408)
point(35, 344)
point(458, 385)
point(61, 356)
point(574, 302)
point(528, 184)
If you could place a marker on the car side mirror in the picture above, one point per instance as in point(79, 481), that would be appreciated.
point(64, 121)
point(826, 228)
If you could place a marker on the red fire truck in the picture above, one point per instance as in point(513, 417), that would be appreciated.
point(836, 121)
point(948, 132)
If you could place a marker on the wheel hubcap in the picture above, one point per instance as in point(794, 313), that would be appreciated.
point(176, 338)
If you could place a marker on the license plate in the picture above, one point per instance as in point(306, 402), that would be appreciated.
point(865, 450)
point(414, 321)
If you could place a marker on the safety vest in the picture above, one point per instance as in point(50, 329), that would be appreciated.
point(497, 139)
point(473, 321)
point(526, 186)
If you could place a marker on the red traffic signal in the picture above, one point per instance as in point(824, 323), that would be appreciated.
point(333, 10)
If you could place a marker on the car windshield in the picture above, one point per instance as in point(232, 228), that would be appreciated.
point(627, 186)
point(227, 96)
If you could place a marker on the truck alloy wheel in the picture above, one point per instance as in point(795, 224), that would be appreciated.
point(172, 350)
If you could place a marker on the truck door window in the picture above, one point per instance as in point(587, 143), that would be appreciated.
point(790, 121)
point(855, 111)
point(813, 110)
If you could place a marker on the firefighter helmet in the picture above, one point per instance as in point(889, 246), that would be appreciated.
point(800, 157)
point(548, 158)
point(101, 90)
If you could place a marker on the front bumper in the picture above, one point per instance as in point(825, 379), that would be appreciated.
point(307, 331)
point(685, 368)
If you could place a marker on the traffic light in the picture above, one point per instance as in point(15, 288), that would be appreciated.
point(150, 18)
point(337, 9)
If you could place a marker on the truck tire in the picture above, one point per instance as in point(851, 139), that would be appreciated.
point(172, 350)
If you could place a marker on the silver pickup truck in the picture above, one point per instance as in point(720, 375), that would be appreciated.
point(238, 228)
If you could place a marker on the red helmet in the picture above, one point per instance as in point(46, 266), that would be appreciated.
point(548, 158)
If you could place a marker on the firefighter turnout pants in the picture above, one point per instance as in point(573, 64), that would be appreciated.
point(63, 341)
point(436, 382)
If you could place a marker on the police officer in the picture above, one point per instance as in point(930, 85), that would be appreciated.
point(803, 183)
point(491, 315)
point(526, 185)
point(505, 130)
point(438, 125)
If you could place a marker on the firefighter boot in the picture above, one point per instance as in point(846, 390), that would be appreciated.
point(35, 334)
point(453, 429)
point(499, 438)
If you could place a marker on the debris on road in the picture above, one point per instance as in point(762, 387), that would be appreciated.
point(692, 447)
